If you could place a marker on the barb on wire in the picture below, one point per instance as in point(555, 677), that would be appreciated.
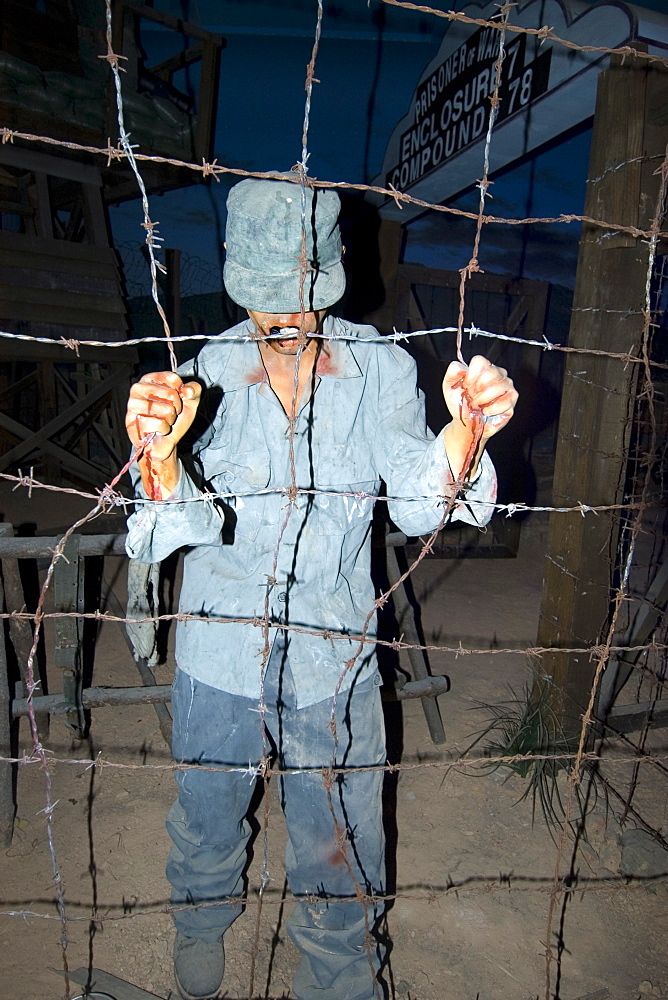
point(291, 493)
point(113, 498)
point(58, 553)
point(38, 750)
point(450, 501)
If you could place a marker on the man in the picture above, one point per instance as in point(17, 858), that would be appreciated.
point(331, 414)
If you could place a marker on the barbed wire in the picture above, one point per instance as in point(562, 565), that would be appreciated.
point(507, 760)
point(429, 893)
point(396, 337)
point(560, 886)
point(473, 265)
point(392, 193)
point(152, 237)
point(544, 33)
point(329, 635)
point(197, 276)
point(111, 498)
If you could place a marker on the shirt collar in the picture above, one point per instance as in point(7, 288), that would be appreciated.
point(244, 366)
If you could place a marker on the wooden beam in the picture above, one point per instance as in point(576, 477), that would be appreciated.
point(26, 350)
point(8, 391)
point(95, 697)
point(42, 546)
point(65, 280)
point(7, 807)
point(169, 21)
point(173, 290)
point(20, 629)
point(59, 249)
point(41, 438)
point(390, 238)
point(61, 302)
point(24, 258)
point(631, 718)
point(95, 216)
point(599, 392)
point(207, 100)
point(57, 166)
point(44, 218)
point(103, 983)
point(70, 317)
point(86, 471)
point(167, 67)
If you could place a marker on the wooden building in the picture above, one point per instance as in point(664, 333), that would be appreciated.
point(60, 279)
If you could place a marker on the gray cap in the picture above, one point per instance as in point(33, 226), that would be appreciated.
point(264, 241)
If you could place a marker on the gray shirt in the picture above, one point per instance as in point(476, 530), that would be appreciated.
point(363, 422)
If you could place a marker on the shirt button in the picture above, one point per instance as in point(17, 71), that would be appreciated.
point(228, 476)
point(282, 597)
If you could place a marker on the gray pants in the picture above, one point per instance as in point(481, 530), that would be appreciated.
point(210, 831)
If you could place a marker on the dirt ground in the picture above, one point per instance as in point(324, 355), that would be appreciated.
point(473, 869)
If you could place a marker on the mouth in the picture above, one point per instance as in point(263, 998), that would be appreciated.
point(289, 332)
point(283, 335)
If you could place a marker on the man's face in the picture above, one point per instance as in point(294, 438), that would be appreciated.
point(266, 323)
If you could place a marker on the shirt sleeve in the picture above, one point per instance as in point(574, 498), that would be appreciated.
point(158, 528)
point(414, 463)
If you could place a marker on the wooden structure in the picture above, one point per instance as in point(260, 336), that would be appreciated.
point(54, 83)
point(513, 307)
point(59, 280)
point(59, 277)
point(599, 392)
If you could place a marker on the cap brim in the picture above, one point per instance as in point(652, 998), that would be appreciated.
point(279, 293)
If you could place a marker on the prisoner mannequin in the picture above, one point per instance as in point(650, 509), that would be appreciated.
point(342, 413)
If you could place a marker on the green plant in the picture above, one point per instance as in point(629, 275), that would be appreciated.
point(524, 736)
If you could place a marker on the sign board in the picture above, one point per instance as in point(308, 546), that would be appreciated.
point(436, 150)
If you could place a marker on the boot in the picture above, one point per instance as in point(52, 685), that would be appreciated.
point(198, 967)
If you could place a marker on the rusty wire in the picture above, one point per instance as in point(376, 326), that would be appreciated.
point(391, 193)
point(459, 762)
point(484, 182)
point(152, 238)
point(396, 337)
point(59, 551)
point(543, 33)
point(328, 635)
point(112, 498)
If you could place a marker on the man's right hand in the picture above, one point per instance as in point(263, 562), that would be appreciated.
point(161, 404)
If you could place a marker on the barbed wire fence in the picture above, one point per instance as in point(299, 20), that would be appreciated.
point(634, 508)
point(198, 276)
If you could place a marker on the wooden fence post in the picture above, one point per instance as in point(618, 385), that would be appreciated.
point(628, 145)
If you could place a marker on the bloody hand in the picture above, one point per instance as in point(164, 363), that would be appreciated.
point(480, 388)
point(161, 408)
point(481, 400)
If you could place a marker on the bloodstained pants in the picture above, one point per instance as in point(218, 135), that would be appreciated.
point(336, 842)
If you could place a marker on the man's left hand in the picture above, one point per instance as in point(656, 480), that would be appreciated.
point(478, 393)
point(479, 388)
